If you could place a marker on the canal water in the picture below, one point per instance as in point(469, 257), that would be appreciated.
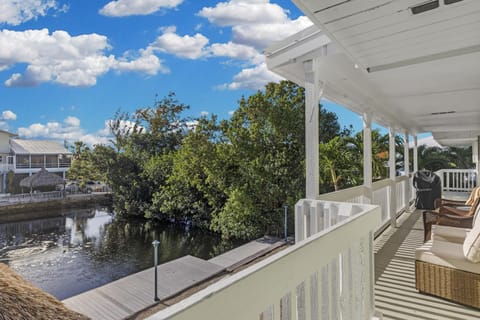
point(87, 248)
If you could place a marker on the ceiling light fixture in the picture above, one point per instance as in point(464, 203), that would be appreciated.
point(426, 6)
point(442, 113)
point(447, 2)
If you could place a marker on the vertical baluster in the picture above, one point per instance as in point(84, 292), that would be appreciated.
point(313, 217)
point(301, 305)
point(314, 296)
point(267, 314)
point(335, 292)
point(320, 216)
point(346, 288)
point(286, 307)
point(370, 278)
point(325, 285)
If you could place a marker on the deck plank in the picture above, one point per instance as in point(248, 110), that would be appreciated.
point(247, 251)
point(129, 295)
point(395, 294)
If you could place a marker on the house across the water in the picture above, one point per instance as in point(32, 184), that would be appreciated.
point(25, 157)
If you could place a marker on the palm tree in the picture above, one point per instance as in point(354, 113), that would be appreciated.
point(335, 162)
point(380, 150)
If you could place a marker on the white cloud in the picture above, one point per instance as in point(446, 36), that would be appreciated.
point(146, 62)
point(261, 35)
point(231, 112)
point(122, 8)
point(204, 113)
point(64, 59)
point(236, 51)
point(15, 12)
point(8, 115)
point(70, 130)
point(72, 121)
point(190, 47)
point(251, 78)
point(255, 25)
point(236, 12)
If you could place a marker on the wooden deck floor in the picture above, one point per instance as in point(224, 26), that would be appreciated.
point(125, 297)
point(395, 293)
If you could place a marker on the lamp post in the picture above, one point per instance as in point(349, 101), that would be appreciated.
point(155, 244)
point(286, 227)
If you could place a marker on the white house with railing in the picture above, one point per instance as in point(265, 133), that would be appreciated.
point(22, 156)
point(412, 66)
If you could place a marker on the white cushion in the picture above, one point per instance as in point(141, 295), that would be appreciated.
point(477, 213)
point(445, 233)
point(471, 245)
point(455, 259)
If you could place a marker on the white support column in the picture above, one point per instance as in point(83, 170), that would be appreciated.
point(406, 154)
point(406, 167)
point(367, 154)
point(392, 164)
point(415, 153)
point(312, 100)
point(476, 157)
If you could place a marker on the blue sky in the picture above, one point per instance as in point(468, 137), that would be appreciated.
point(67, 66)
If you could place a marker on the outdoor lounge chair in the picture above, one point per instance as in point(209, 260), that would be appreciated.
point(448, 266)
point(461, 217)
point(455, 203)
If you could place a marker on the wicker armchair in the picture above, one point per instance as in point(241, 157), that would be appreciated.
point(448, 266)
point(458, 203)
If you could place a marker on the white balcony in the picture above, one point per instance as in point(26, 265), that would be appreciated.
point(327, 275)
point(409, 72)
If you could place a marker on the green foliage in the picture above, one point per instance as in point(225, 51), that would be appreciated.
point(239, 217)
point(435, 158)
point(140, 161)
point(233, 176)
point(336, 164)
point(13, 182)
point(82, 168)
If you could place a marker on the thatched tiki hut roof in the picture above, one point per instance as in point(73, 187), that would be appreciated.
point(40, 179)
point(20, 300)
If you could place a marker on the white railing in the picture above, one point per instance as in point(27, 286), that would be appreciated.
point(381, 198)
point(7, 199)
point(352, 195)
point(327, 275)
point(5, 167)
point(381, 195)
point(458, 180)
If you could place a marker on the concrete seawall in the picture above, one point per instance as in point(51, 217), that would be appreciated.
point(50, 207)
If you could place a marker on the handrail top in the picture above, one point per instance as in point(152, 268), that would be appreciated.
point(370, 212)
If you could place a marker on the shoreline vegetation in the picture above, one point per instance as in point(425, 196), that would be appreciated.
point(233, 176)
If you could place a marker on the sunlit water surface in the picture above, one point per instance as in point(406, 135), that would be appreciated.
point(87, 248)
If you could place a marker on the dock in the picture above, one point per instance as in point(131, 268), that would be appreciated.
point(130, 295)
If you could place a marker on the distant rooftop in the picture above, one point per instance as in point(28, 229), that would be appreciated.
point(21, 146)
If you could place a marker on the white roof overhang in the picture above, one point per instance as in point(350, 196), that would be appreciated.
point(414, 72)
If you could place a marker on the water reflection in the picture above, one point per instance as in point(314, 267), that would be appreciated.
point(88, 248)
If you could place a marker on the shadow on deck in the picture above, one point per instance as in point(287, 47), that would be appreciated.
point(395, 293)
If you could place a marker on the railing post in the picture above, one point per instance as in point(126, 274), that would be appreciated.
point(312, 98)
point(392, 175)
point(406, 164)
point(367, 154)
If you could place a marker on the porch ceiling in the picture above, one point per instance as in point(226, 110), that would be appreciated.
point(419, 72)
